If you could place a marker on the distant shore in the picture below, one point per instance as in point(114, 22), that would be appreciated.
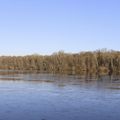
point(97, 62)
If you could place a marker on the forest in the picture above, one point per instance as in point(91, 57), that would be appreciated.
point(95, 62)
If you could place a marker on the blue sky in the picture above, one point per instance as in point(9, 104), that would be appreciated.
point(47, 26)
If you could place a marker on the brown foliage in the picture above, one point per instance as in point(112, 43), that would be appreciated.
point(100, 61)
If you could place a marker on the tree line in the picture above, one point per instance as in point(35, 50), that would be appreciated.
point(96, 62)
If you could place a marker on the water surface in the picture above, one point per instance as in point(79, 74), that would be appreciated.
point(59, 97)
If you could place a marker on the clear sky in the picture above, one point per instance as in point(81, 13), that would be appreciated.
point(47, 26)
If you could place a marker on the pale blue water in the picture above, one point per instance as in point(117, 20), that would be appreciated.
point(57, 97)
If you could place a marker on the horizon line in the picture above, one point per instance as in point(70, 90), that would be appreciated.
point(44, 54)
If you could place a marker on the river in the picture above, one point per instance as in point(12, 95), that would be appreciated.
point(33, 96)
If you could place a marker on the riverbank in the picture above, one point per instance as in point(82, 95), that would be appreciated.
point(96, 62)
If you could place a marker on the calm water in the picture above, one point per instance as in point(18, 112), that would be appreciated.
point(57, 97)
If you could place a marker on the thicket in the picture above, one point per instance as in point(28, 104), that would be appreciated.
point(96, 62)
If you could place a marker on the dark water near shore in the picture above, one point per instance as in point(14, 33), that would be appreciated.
point(58, 97)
